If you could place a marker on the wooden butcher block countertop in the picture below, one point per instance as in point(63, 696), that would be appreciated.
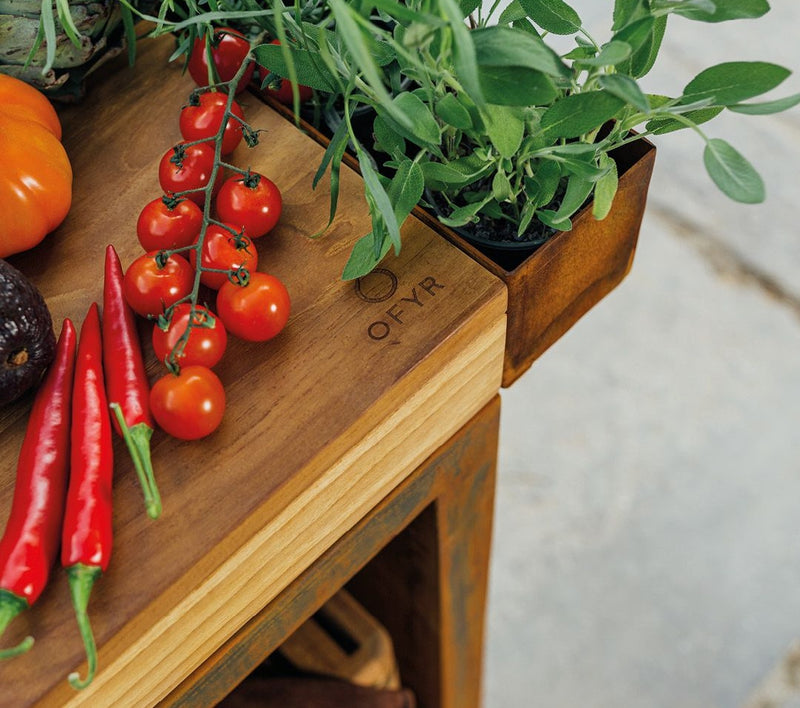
point(322, 422)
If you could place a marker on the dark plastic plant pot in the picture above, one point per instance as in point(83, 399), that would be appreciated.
point(550, 289)
point(505, 252)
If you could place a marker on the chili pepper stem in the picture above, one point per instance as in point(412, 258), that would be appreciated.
point(10, 606)
point(81, 580)
point(137, 439)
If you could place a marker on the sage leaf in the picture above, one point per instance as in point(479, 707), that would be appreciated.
point(451, 111)
point(683, 6)
point(525, 218)
point(625, 88)
point(543, 185)
point(605, 189)
point(506, 46)
point(463, 215)
point(733, 82)
point(624, 12)
point(362, 258)
point(426, 129)
point(516, 86)
point(387, 139)
point(551, 219)
point(727, 10)
point(440, 177)
point(501, 187)
point(505, 128)
point(637, 33)
point(414, 136)
point(578, 190)
point(581, 166)
point(662, 124)
point(766, 108)
point(513, 12)
point(645, 56)
point(732, 172)
point(573, 116)
point(555, 16)
point(611, 54)
point(406, 188)
point(309, 72)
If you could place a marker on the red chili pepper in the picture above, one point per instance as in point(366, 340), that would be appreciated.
point(86, 536)
point(29, 546)
point(126, 380)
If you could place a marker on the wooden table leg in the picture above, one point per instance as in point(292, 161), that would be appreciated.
point(419, 562)
point(428, 587)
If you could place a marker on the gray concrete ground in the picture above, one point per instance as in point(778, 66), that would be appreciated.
point(647, 535)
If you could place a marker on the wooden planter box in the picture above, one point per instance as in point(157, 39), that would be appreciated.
point(552, 288)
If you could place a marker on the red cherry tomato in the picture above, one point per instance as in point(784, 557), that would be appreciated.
point(283, 93)
point(188, 405)
point(165, 224)
point(229, 49)
point(250, 202)
point(188, 167)
point(256, 311)
point(150, 288)
point(222, 250)
point(202, 118)
point(204, 344)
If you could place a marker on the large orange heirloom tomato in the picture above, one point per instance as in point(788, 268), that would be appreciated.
point(35, 173)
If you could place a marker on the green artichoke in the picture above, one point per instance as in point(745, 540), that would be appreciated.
point(59, 73)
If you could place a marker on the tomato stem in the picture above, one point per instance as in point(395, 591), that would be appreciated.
point(192, 143)
point(233, 168)
point(171, 201)
point(233, 232)
point(185, 192)
point(251, 179)
point(241, 275)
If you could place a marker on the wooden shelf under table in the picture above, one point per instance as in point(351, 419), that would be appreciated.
point(323, 424)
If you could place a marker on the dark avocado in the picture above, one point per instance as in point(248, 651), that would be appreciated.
point(27, 340)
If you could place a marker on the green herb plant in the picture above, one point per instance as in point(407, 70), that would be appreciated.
point(475, 112)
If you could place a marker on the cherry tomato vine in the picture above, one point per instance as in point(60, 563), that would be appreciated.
point(221, 256)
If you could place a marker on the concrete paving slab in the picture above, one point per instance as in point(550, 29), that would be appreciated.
point(648, 510)
point(645, 549)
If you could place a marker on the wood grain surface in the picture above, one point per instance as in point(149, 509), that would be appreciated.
point(321, 424)
point(418, 560)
